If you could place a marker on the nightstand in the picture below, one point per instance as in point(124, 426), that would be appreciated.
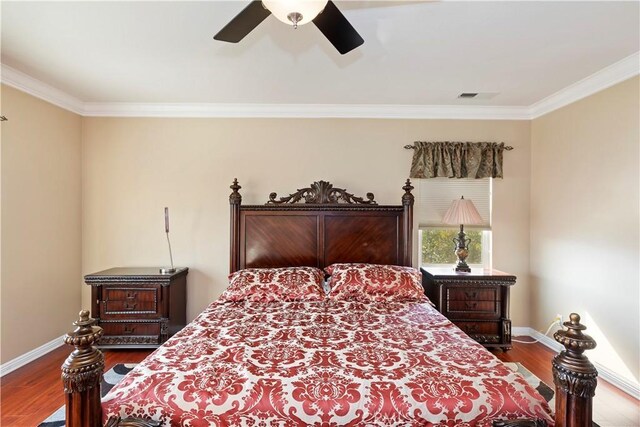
point(138, 306)
point(477, 302)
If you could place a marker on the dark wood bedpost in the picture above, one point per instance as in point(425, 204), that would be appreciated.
point(82, 374)
point(407, 204)
point(574, 376)
point(235, 199)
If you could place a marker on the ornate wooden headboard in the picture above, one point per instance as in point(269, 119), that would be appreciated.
point(317, 226)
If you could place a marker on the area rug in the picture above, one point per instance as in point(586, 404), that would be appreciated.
point(115, 374)
point(535, 382)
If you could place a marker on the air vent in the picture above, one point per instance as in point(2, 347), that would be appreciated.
point(477, 95)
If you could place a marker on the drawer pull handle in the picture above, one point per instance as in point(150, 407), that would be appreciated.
point(471, 304)
point(471, 294)
point(132, 295)
point(129, 306)
point(129, 329)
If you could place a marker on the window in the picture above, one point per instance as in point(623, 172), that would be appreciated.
point(436, 239)
point(437, 247)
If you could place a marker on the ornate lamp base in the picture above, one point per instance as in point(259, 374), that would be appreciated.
point(463, 267)
point(167, 270)
point(462, 251)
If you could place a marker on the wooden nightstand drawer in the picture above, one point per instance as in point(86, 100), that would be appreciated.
point(488, 307)
point(476, 294)
point(127, 307)
point(479, 328)
point(127, 293)
point(130, 328)
point(127, 300)
point(485, 333)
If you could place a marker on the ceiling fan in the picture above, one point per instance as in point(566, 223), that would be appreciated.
point(323, 13)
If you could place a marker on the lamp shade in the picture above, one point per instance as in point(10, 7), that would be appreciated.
point(308, 9)
point(462, 211)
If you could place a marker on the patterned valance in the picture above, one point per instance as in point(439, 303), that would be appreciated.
point(457, 160)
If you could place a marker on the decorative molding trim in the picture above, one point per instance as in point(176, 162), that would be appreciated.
point(25, 83)
point(520, 331)
point(613, 378)
point(629, 387)
point(30, 356)
point(321, 192)
point(302, 111)
point(598, 81)
point(603, 79)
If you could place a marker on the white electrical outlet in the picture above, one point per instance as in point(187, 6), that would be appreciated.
point(559, 319)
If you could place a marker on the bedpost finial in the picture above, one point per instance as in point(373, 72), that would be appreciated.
point(85, 334)
point(573, 373)
point(83, 368)
point(235, 198)
point(575, 319)
point(573, 339)
point(407, 197)
point(83, 318)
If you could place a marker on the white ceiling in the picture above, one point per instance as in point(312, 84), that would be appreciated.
point(415, 53)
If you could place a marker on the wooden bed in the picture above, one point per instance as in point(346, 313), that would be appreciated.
point(318, 226)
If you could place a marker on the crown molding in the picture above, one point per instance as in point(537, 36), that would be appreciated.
point(25, 83)
point(607, 77)
point(348, 111)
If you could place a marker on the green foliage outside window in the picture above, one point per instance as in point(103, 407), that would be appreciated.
point(438, 246)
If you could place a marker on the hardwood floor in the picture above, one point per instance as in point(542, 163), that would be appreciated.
point(611, 407)
point(31, 393)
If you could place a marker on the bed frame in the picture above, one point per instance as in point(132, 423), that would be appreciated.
point(317, 226)
point(320, 231)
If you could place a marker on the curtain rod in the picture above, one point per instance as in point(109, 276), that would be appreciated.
point(413, 147)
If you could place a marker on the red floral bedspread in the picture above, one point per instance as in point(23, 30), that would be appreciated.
point(325, 363)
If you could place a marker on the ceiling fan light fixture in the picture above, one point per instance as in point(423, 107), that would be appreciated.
point(295, 17)
point(295, 12)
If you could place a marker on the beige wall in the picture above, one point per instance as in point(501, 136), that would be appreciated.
point(584, 221)
point(568, 205)
point(132, 168)
point(41, 217)
point(581, 227)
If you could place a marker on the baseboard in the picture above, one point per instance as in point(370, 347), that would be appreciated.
point(30, 356)
point(613, 378)
point(546, 340)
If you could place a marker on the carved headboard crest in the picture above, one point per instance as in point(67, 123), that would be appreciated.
point(322, 192)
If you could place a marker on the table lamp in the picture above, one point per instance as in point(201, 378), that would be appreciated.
point(172, 269)
point(462, 211)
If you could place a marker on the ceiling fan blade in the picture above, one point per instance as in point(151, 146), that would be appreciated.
point(335, 27)
point(243, 23)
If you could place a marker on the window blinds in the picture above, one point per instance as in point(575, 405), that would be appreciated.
point(436, 194)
